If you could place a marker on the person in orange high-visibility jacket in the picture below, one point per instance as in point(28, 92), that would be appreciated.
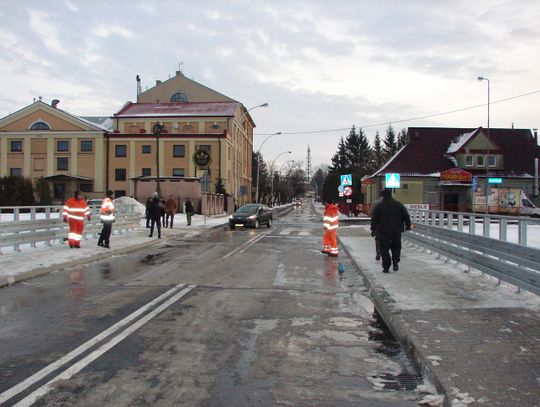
point(330, 223)
point(107, 218)
point(75, 210)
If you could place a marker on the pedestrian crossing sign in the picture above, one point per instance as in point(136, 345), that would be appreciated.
point(346, 179)
point(392, 180)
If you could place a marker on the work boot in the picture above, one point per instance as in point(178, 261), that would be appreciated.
point(395, 266)
point(386, 271)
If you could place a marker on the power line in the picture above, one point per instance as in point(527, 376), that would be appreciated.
point(411, 119)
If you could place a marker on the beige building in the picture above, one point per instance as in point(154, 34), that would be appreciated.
point(42, 140)
point(72, 152)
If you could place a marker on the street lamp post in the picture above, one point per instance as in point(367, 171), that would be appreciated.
point(481, 78)
point(236, 150)
point(272, 178)
point(157, 129)
point(259, 164)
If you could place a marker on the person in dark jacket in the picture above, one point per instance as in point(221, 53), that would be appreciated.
point(147, 212)
point(189, 210)
point(389, 219)
point(155, 212)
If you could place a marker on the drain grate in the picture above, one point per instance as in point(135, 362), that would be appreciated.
point(399, 381)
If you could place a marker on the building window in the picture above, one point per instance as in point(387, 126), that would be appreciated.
point(179, 97)
point(204, 147)
point(62, 164)
point(120, 150)
point(62, 145)
point(492, 161)
point(59, 191)
point(178, 172)
point(15, 172)
point(40, 126)
point(479, 160)
point(468, 161)
point(146, 149)
point(119, 174)
point(16, 146)
point(87, 146)
point(86, 187)
point(146, 172)
point(179, 150)
point(119, 193)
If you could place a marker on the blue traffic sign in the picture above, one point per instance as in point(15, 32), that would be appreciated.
point(494, 180)
point(346, 179)
point(392, 180)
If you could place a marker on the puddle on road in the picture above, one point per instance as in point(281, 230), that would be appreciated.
point(408, 378)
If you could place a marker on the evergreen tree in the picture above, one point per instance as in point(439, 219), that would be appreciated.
point(43, 191)
point(358, 152)
point(378, 153)
point(339, 160)
point(220, 187)
point(318, 180)
point(390, 143)
point(402, 138)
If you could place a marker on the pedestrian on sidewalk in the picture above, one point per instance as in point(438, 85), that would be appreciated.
point(330, 225)
point(75, 210)
point(189, 211)
point(155, 215)
point(375, 234)
point(107, 218)
point(170, 210)
point(390, 218)
point(147, 212)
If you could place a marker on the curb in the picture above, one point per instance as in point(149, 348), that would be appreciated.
point(393, 318)
point(10, 280)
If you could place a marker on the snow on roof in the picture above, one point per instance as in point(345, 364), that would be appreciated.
point(105, 122)
point(460, 141)
point(178, 109)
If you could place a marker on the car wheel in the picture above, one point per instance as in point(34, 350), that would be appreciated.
point(270, 222)
point(232, 227)
point(256, 224)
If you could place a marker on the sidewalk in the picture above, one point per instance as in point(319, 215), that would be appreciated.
point(32, 262)
point(478, 342)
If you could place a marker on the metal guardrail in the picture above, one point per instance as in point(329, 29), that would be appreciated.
point(48, 229)
point(513, 263)
point(506, 227)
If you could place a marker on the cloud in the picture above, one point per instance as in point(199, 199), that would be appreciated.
point(39, 24)
point(107, 30)
point(71, 6)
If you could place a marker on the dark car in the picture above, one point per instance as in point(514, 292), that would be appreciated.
point(251, 215)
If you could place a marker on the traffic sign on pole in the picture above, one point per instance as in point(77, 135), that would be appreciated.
point(346, 179)
point(392, 180)
point(347, 191)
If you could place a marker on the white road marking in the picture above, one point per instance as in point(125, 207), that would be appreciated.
point(243, 247)
point(285, 232)
point(80, 365)
point(83, 348)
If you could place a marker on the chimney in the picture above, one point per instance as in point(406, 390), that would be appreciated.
point(535, 133)
point(54, 103)
point(179, 73)
point(39, 98)
point(158, 82)
point(512, 126)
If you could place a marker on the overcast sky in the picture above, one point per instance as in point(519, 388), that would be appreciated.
point(320, 65)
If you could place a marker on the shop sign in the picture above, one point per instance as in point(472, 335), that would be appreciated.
point(457, 175)
point(202, 158)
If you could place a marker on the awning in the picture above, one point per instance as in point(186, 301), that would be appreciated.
point(65, 177)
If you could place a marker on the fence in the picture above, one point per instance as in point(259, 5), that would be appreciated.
point(44, 224)
point(514, 263)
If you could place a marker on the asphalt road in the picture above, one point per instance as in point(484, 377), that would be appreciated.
point(231, 318)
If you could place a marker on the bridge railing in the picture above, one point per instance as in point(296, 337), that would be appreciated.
point(44, 224)
point(448, 235)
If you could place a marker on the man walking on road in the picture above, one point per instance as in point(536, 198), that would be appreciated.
point(170, 210)
point(107, 218)
point(375, 234)
point(389, 219)
point(155, 211)
point(189, 210)
point(75, 210)
point(330, 224)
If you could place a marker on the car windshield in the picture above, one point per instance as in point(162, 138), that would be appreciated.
point(248, 209)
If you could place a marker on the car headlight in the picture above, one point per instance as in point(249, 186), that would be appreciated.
point(252, 217)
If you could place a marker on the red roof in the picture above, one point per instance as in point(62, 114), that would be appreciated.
point(426, 152)
point(184, 109)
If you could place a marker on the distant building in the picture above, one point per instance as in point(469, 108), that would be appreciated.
point(439, 166)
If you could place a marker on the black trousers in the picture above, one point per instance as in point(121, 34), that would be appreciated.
point(105, 234)
point(390, 242)
point(169, 218)
point(157, 222)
